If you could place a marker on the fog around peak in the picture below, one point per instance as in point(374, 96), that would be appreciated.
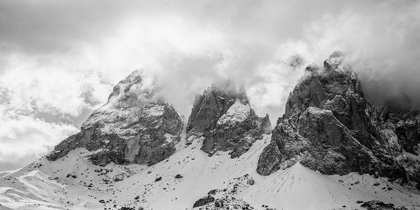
point(56, 67)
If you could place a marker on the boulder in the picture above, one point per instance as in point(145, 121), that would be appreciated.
point(203, 201)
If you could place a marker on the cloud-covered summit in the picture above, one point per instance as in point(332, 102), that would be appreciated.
point(60, 59)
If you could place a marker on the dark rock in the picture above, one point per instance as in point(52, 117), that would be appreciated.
point(379, 205)
point(127, 208)
point(330, 127)
point(158, 179)
point(269, 160)
point(71, 175)
point(218, 203)
point(204, 201)
point(179, 176)
point(212, 192)
point(223, 116)
point(134, 126)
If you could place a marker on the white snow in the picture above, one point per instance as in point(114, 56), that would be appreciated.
point(120, 121)
point(316, 110)
point(169, 138)
point(156, 110)
point(294, 188)
point(238, 112)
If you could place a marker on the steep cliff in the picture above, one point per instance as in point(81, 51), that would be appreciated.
point(136, 125)
point(223, 116)
point(330, 127)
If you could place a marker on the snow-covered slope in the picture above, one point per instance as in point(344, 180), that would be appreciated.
point(72, 182)
point(133, 153)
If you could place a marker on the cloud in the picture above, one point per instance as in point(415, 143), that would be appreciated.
point(52, 90)
point(60, 59)
point(23, 139)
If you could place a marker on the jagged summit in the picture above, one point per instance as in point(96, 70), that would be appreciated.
point(224, 117)
point(330, 127)
point(136, 125)
point(334, 61)
point(220, 97)
point(137, 88)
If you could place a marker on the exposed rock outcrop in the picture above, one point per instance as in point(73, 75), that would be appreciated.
point(227, 198)
point(134, 126)
point(329, 126)
point(224, 117)
point(379, 205)
point(203, 201)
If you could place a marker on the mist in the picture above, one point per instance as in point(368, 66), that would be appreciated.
point(57, 67)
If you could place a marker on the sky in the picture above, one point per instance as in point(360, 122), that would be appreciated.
point(59, 60)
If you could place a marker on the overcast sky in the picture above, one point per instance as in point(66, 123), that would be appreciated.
point(60, 59)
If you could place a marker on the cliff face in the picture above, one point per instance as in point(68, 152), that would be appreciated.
point(329, 126)
point(222, 115)
point(134, 126)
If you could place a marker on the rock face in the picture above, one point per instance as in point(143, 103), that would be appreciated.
point(329, 126)
point(134, 126)
point(379, 205)
point(203, 201)
point(222, 115)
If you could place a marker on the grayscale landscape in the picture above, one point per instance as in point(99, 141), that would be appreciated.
point(248, 105)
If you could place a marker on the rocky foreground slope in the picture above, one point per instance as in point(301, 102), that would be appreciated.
point(136, 125)
point(330, 127)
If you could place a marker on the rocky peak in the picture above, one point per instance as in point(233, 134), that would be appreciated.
point(213, 103)
point(136, 125)
point(330, 127)
point(224, 117)
point(335, 87)
point(334, 61)
point(137, 88)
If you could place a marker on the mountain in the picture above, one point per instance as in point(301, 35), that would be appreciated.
point(136, 125)
point(330, 127)
point(331, 149)
point(223, 116)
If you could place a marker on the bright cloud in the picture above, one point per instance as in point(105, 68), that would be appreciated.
point(60, 59)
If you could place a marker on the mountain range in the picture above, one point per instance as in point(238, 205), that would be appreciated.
point(332, 149)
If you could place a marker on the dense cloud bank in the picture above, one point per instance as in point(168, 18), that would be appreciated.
point(60, 59)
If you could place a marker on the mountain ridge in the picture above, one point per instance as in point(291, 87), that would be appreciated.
point(331, 147)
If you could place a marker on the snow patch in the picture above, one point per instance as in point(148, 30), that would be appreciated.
point(318, 111)
point(155, 110)
point(169, 138)
point(238, 112)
